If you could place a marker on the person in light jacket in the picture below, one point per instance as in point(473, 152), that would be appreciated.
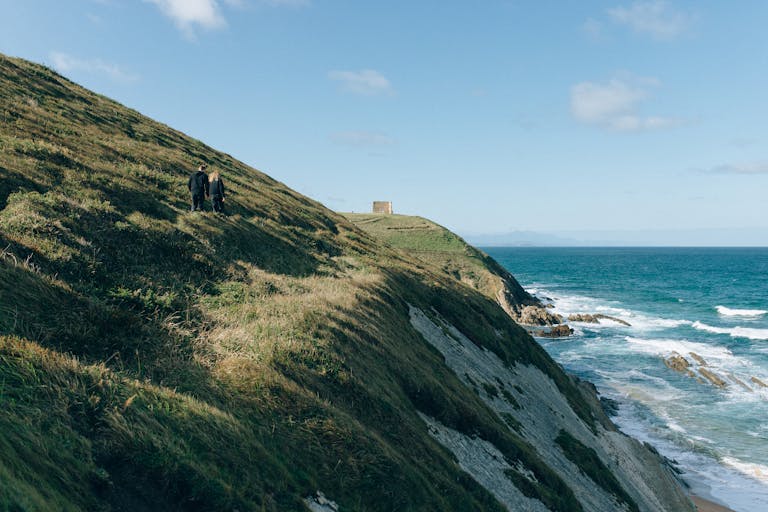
point(217, 192)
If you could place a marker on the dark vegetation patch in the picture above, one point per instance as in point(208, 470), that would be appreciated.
point(509, 397)
point(590, 464)
point(490, 390)
point(512, 422)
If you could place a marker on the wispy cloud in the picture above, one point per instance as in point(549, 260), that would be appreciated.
point(366, 82)
point(744, 168)
point(191, 14)
point(362, 138)
point(65, 63)
point(655, 18)
point(614, 104)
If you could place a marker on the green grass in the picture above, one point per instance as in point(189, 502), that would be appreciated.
point(155, 359)
point(447, 253)
point(433, 244)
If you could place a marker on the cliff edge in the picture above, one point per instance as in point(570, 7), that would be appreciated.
point(448, 253)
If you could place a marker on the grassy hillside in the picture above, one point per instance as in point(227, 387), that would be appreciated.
point(446, 252)
point(157, 359)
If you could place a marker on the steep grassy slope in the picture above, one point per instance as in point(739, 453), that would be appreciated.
point(157, 359)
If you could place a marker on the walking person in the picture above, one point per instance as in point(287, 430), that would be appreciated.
point(199, 187)
point(217, 192)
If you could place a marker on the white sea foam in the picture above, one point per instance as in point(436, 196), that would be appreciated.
point(739, 312)
point(756, 471)
point(703, 440)
point(578, 304)
point(718, 358)
point(665, 347)
point(656, 323)
point(674, 426)
point(648, 394)
point(734, 332)
point(643, 388)
point(729, 481)
point(635, 375)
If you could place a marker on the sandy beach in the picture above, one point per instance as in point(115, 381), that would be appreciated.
point(707, 506)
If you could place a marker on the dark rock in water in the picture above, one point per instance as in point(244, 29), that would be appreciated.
point(536, 315)
point(678, 363)
point(759, 382)
point(557, 331)
point(712, 378)
point(595, 319)
point(682, 365)
point(609, 405)
point(583, 317)
point(652, 448)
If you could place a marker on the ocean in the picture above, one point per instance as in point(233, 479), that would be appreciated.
point(712, 302)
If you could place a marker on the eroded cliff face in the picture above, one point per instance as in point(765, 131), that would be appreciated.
point(628, 476)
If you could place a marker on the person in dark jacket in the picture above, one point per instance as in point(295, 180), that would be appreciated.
point(217, 192)
point(199, 187)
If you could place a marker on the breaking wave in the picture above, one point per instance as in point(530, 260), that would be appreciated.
point(734, 332)
point(740, 312)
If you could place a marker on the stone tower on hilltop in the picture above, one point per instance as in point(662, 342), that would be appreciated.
point(382, 207)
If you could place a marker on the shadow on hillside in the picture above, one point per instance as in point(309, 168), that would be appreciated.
point(13, 182)
point(128, 200)
point(131, 282)
point(140, 343)
point(259, 242)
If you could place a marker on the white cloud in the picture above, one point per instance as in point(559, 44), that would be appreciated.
point(187, 14)
point(593, 103)
point(655, 17)
point(614, 105)
point(746, 168)
point(366, 82)
point(207, 14)
point(362, 138)
point(65, 63)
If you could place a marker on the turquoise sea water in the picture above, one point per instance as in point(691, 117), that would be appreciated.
point(709, 301)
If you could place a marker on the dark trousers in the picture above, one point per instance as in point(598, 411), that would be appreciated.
point(197, 201)
point(218, 204)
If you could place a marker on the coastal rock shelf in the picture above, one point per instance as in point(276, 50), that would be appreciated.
point(595, 319)
point(698, 368)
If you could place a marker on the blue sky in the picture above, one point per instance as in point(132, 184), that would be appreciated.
point(488, 116)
